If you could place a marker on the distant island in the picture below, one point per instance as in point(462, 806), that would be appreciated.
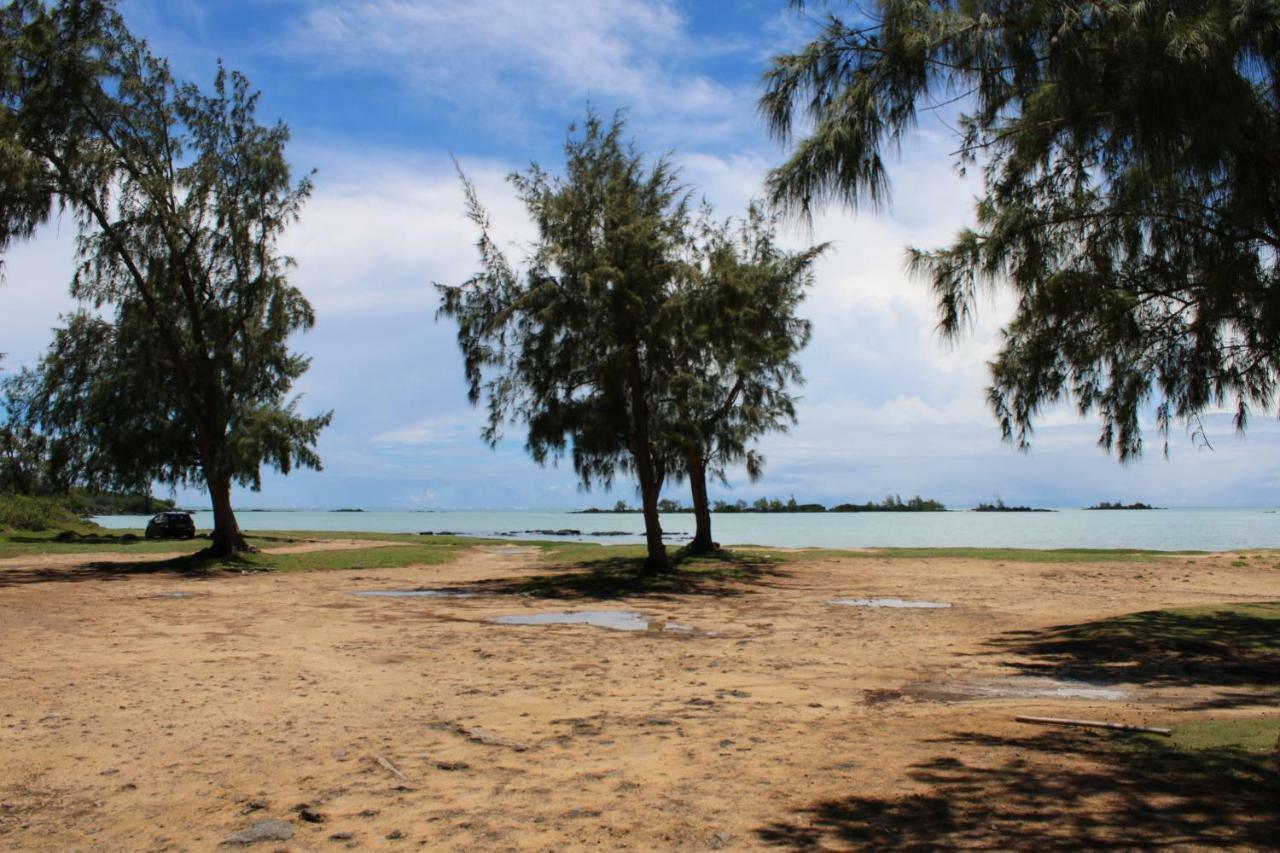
point(892, 503)
point(999, 506)
point(1119, 505)
point(346, 510)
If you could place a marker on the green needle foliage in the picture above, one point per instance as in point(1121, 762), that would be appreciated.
point(1131, 158)
point(735, 353)
point(576, 346)
point(178, 370)
point(639, 340)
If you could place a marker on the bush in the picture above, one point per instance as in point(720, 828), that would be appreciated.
point(86, 503)
point(19, 512)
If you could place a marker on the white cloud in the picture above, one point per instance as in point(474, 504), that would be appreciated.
point(504, 60)
point(382, 226)
point(35, 290)
point(432, 430)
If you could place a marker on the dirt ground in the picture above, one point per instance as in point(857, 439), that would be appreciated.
point(157, 711)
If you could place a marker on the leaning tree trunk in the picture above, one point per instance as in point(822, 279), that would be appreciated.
point(228, 541)
point(702, 543)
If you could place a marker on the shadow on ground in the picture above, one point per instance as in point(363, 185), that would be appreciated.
point(1236, 646)
point(123, 540)
point(1057, 791)
point(723, 573)
point(196, 566)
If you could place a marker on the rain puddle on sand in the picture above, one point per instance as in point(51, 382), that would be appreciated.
point(414, 593)
point(176, 594)
point(898, 603)
point(1047, 688)
point(1016, 688)
point(613, 620)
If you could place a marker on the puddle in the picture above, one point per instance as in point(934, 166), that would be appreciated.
point(414, 593)
point(1016, 688)
point(176, 594)
point(900, 603)
point(1047, 688)
point(614, 620)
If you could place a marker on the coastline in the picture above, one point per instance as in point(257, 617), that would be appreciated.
point(1166, 530)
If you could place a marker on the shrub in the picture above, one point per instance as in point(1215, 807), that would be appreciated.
point(19, 512)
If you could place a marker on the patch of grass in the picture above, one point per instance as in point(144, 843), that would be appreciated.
point(100, 540)
point(378, 557)
point(1010, 555)
point(95, 539)
point(1211, 755)
point(1248, 734)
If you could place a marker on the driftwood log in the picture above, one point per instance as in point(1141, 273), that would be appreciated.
point(1094, 724)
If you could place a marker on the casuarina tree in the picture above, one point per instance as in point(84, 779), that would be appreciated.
point(178, 370)
point(1131, 162)
point(734, 367)
point(576, 347)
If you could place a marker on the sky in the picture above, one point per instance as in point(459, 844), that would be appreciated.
point(383, 95)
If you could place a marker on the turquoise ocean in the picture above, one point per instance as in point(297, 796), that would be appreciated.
point(1167, 529)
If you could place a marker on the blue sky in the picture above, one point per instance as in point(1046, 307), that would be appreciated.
point(380, 94)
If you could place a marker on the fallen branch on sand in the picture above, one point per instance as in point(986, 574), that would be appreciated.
point(1094, 724)
point(387, 765)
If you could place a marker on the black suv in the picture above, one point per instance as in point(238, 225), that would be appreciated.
point(171, 525)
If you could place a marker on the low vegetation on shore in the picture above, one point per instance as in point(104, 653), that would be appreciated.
point(31, 513)
point(1000, 506)
point(891, 503)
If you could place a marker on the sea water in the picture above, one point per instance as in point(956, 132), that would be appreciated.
point(1171, 529)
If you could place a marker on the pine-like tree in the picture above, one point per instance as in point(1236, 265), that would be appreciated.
point(735, 353)
point(577, 346)
point(1131, 157)
point(181, 371)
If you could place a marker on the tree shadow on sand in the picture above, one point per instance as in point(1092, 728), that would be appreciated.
point(722, 573)
point(1057, 791)
point(197, 566)
point(1236, 646)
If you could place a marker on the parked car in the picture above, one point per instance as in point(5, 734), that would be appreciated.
point(171, 525)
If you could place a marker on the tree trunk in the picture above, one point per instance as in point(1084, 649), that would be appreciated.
point(657, 561)
point(702, 543)
point(650, 482)
point(228, 541)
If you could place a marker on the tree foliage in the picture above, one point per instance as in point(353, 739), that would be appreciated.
point(575, 346)
point(1131, 162)
point(640, 339)
point(178, 368)
point(734, 356)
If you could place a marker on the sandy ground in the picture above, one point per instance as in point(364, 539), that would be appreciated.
point(154, 711)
